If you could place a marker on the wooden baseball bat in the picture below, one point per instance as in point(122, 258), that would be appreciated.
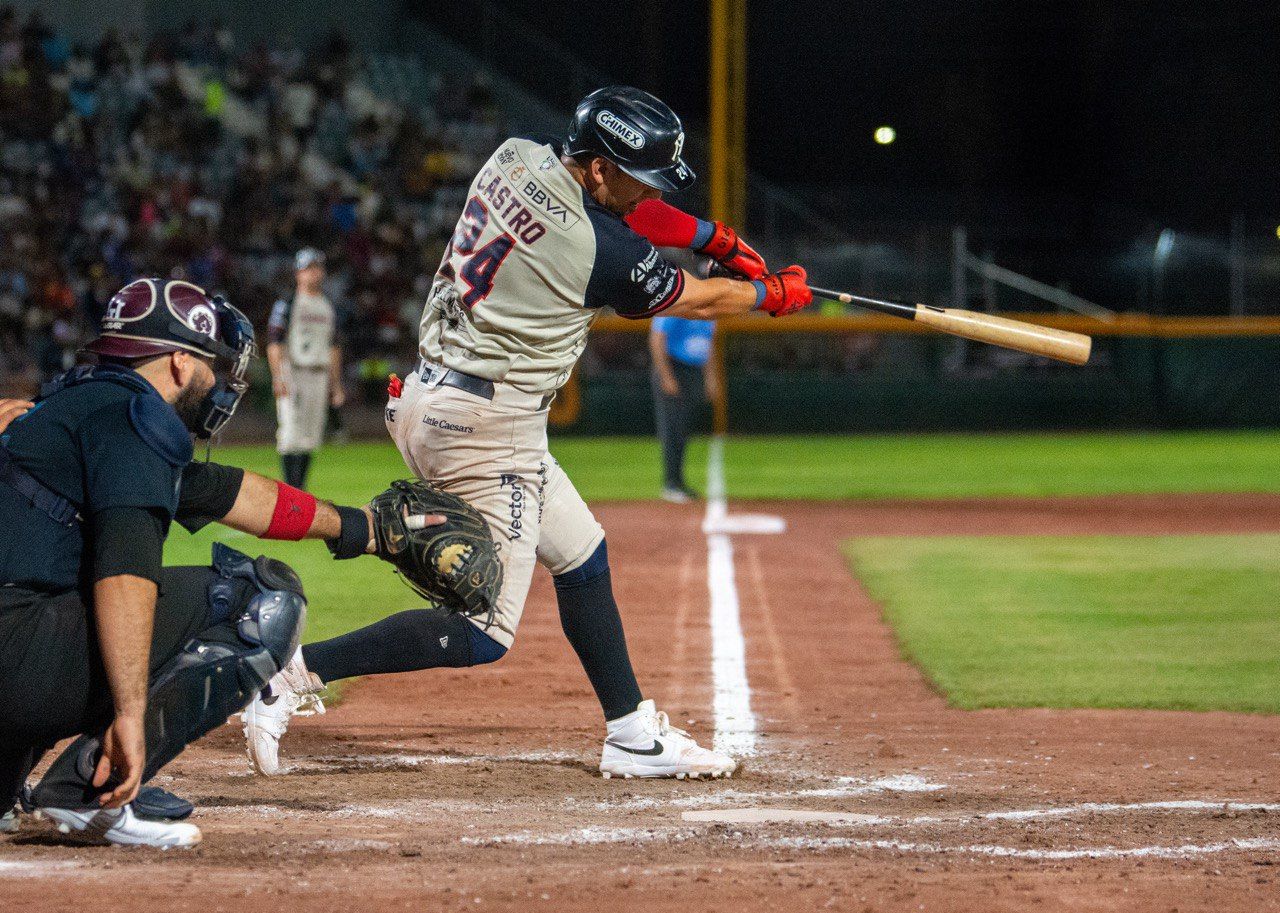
point(1072, 348)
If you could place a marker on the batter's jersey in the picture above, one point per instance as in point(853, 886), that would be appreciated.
point(530, 265)
point(307, 325)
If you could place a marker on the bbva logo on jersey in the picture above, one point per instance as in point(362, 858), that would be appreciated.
point(619, 128)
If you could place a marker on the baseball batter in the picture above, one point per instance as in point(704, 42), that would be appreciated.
point(306, 366)
point(554, 232)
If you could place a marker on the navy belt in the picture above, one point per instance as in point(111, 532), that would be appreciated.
point(447, 377)
point(44, 499)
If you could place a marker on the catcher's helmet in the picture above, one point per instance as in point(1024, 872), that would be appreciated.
point(153, 316)
point(635, 131)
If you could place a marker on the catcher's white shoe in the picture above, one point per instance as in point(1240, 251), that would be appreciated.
point(293, 691)
point(645, 744)
point(122, 827)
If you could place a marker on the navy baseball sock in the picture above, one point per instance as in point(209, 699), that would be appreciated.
point(404, 642)
point(589, 616)
point(291, 469)
point(304, 459)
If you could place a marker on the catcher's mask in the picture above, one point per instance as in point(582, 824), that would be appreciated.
point(154, 316)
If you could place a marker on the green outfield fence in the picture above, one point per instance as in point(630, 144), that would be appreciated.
point(849, 374)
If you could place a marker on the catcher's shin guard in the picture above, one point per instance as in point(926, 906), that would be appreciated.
point(215, 675)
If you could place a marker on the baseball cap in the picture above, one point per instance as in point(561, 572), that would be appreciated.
point(308, 256)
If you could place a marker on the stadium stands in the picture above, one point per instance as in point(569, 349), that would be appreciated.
point(189, 156)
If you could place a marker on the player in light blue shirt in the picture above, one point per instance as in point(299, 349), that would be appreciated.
point(680, 350)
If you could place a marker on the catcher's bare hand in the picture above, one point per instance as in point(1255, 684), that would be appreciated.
point(124, 754)
point(11, 409)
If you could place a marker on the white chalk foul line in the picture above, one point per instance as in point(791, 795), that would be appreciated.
point(845, 787)
point(735, 720)
point(759, 815)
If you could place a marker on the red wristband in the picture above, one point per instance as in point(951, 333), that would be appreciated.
point(295, 509)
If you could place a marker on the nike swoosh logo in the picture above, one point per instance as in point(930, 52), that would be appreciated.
point(656, 750)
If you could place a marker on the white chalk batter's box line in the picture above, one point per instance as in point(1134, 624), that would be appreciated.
point(596, 835)
point(852, 819)
point(764, 817)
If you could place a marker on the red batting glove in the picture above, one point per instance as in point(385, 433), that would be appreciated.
point(734, 254)
point(395, 386)
point(785, 291)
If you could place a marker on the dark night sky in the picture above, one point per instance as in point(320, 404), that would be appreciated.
point(1117, 112)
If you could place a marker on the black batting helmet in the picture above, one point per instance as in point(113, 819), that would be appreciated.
point(634, 130)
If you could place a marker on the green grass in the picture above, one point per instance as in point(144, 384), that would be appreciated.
point(973, 465)
point(1179, 622)
point(872, 466)
point(925, 466)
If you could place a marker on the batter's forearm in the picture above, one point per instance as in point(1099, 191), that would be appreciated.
point(711, 299)
point(124, 608)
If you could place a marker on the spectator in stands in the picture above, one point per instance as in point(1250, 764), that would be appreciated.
point(184, 155)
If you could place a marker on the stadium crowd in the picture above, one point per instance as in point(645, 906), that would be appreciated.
point(186, 156)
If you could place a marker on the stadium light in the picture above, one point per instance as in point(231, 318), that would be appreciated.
point(886, 135)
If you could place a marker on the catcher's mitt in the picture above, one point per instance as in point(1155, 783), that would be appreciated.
point(454, 564)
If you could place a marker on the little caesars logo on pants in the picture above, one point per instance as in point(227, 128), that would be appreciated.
point(516, 503)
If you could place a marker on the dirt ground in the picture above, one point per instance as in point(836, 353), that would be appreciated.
point(476, 789)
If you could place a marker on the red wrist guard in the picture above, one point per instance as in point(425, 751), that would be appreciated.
point(295, 509)
point(662, 225)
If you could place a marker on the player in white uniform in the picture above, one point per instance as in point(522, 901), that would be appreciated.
point(306, 366)
point(552, 233)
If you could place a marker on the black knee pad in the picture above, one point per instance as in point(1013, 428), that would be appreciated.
point(216, 674)
point(276, 575)
point(263, 596)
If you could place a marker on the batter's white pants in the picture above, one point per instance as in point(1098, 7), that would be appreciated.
point(493, 454)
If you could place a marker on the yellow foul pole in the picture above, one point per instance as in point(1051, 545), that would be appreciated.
point(728, 153)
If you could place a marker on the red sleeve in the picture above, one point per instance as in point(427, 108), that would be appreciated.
point(662, 225)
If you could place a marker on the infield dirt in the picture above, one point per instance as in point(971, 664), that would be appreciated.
point(477, 790)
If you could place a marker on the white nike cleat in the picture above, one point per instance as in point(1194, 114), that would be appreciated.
point(645, 744)
point(292, 692)
point(122, 827)
point(9, 821)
